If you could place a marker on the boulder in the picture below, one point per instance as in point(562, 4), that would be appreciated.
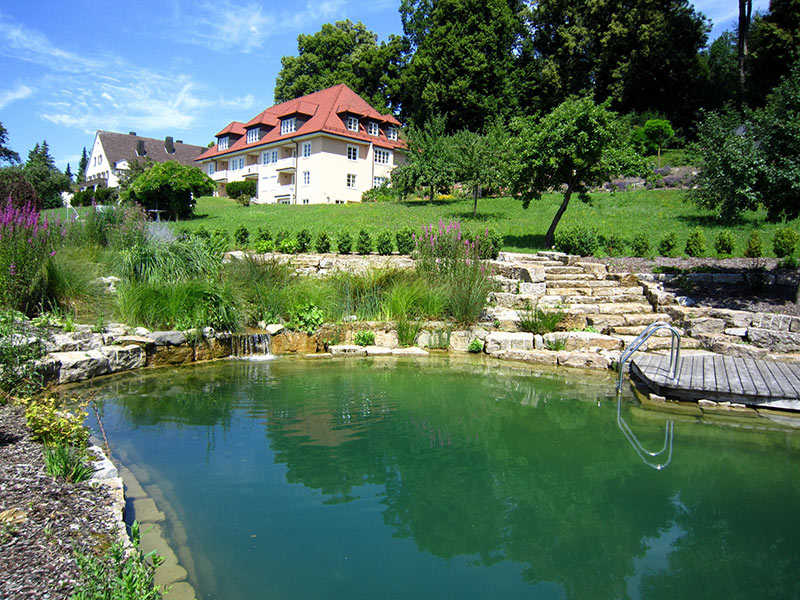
point(212, 348)
point(501, 340)
point(293, 342)
point(377, 351)
point(274, 328)
point(412, 351)
point(583, 360)
point(122, 358)
point(168, 338)
point(139, 340)
point(582, 340)
point(538, 357)
point(533, 289)
point(170, 355)
point(103, 467)
point(705, 326)
point(80, 365)
point(776, 341)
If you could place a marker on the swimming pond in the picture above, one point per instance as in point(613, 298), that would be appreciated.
point(440, 478)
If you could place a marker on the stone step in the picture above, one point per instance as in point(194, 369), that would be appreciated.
point(603, 322)
point(586, 299)
point(567, 276)
point(609, 308)
point(635, 330)
point(662, 343)
point(581, 283)
point(506, 284)
point(561, 270)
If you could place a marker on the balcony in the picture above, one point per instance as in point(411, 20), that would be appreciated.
point(285, 164)
point(219, 175)
point(250, 171)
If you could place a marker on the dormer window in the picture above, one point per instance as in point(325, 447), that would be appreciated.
point(372, 128)
point(391, 133)
point(222, 143)
point(288, 125)
point(352, 123)
point(253, 135)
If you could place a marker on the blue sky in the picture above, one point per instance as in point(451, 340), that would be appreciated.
point(172, 67)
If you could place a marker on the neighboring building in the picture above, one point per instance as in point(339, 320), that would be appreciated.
point(324, 148)
point(113, 152)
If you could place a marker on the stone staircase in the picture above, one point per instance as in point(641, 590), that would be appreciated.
point(592, 299)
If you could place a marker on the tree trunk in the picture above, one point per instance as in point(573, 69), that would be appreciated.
point(432, 197)
point(550, 236)
point(474, 200)
point(745, 14)
point(659, 156)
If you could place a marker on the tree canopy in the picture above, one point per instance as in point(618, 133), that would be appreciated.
point(343, 52)
point(6, 154)
point(171, 187)
point(41, 171)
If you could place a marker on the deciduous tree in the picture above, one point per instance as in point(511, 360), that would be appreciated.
point(429, 160)
point(40, 169)
point(6, 154)
point(658, 132)
point(171, 187)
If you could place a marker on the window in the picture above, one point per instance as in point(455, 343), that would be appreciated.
point(232, 164)
point(352, 152)
point(211, 168)
point(340, 202)
point(378, 181)
point(222, 143)
point(284, 201)
point(288, 125)
point(391, 133)
point(253, 135)
point(352, 123)
point(241, 163)
point(306, 149)
point(306, 177)
point(372, 128)
point(274, 156)
point(100, 160)
point(351, 180)
point(236, 163)
point(265, 157)
point(305, 200)
point(382, 156)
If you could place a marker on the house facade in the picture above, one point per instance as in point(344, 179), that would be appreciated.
point(324, 148)
point(112, 153)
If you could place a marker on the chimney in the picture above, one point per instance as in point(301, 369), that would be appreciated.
point(140, 150)
point(178, 141)
point(131, 133)
point(168, 145)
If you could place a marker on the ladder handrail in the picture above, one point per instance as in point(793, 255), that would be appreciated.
point(674, 353)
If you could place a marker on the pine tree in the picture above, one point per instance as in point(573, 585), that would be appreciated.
point(84, 162)
point(68, 173)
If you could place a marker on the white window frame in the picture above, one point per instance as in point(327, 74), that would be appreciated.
point(373, 129)
point(352, 123)
point(351, 181)
point(265, 157)
point(385, 156)
point(253, 135)
point(306, 149)
point(232, 164)
point(391, 133)
point(354, 149)
point(306, 177)
point(378, 181)
point(211, 168)
point(288, 125)
point(274, 156)
point(222, 142)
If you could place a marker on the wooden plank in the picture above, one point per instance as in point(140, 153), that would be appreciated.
point(696, 376)
point(732, 373)
point(790, 376)
point(785, 387)
point(748, 387)
point(720, 376)
point(773, 387)
point(709, 379)
point(759, 385)
point(683, 369)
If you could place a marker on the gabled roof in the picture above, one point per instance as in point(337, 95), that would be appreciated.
point(234, 127)
point(324, 112)
point(123, 146)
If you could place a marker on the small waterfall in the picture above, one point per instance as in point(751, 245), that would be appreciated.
point(250, 346)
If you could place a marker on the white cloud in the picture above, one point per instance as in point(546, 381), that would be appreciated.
point(18, 93)
point(105, 92)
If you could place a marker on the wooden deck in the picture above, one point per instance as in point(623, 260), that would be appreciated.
point(721, 378)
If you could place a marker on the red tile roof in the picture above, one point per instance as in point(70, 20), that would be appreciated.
point(325, 110)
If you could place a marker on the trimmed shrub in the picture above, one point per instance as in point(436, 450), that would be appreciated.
point(383, 243)
point(668, 245)
point(405, 240)
point(242, 236)
point(242, 191)
point(613, 244)
point(281, 235)
point(364, 243)
point(264, 246)
point(303, 240)
point(263, 234)
point(754, 248)
point(785, 242)
point(578, 240)
point(695, 243)
point(287, 245)
point(323, 243)
point(640, 245)
point(344, 243)
point(724, 243)
point(50, 424)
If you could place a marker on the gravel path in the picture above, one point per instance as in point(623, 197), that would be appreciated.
point(54, 519)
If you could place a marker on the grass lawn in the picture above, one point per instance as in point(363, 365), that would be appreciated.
point(626, 214)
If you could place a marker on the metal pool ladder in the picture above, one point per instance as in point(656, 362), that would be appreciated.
point(674, 352)
point(674, 365)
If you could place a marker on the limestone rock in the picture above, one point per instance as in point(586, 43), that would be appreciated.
point(377, 351)
point(141, 331)
point(412, 351)
point(501, 340)
point(538, 357)
point(80, 365)
point(583, 360)
point(347, 350)
point(274, 328)
point(211, 348)
point(776, 341)
point(168, 338)
point(103, 467)
point(170, 355)
point(293, 342)
point(706, 326)
point(582, 340)
point(122, 358)
point(533, 289)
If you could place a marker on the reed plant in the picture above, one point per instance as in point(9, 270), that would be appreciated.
point(160, 262)
point(537, 321)
point(67, 462)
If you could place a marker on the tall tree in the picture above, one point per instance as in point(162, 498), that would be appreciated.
point(774, 46)
point(578, 145)
point(344, 52)
point(477, 159)
point(644, 55)
point(429, 160)
point(462, 61)
point(745, 16)
point(40, 169)
point(721, 66)
point(68, 173)
point(6, 154)
point(84, 162)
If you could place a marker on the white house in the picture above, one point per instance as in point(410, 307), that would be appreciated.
point(324, 148)
point(113, 152)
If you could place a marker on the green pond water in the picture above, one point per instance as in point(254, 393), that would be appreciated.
point(449, 479)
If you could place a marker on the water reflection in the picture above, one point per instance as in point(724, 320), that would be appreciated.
point(650, 458)
point(491, 471)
